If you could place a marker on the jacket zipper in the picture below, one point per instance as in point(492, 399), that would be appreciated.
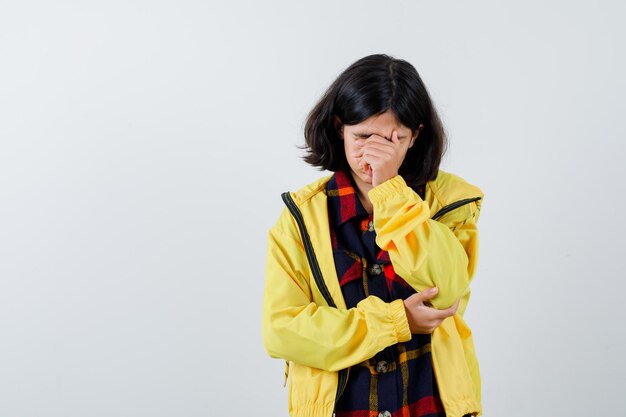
point(454, 205)
point(317, 275)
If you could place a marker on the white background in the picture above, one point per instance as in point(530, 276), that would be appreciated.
point(144, 147)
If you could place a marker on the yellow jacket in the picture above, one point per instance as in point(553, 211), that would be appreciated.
point(431, 242)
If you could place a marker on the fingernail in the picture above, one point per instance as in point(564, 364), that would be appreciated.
point(434, 290)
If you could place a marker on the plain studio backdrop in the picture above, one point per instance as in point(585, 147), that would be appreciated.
point(144, 147)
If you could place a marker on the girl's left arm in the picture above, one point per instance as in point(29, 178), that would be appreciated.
point(425, 252)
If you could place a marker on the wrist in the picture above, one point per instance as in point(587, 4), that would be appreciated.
point(400, 318)
point(384, 179)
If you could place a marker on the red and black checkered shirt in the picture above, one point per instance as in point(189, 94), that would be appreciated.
point(399, 380)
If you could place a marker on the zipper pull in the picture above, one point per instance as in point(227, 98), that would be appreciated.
point(286, 373)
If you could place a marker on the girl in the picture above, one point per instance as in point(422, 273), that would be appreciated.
point(368, 269)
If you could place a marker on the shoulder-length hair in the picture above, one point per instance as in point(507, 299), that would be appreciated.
point(370, 86)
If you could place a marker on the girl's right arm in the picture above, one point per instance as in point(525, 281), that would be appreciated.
point(297, 329)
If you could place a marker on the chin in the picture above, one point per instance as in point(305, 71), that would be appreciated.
point(365, 178)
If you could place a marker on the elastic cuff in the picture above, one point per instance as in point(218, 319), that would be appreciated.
point(392, 186)
point(400, 320)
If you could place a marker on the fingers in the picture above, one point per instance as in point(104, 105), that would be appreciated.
point(422, 319)
point(394, 138)
point(375, 153)
point(370, 146)
point(381, 140)
point(378, 154)
point(425, 318)
point(422, 297)
point(378, 142)
point(428, 293)
point(377, 146)
point(448, 312)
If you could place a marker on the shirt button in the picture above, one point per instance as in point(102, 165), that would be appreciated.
point(370, 226)
point(384, 414)
point(376, 269)
point(381, 367)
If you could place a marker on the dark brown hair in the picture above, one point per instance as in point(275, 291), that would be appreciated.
point(370, 86)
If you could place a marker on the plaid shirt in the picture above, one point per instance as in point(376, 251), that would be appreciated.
point(399, 380)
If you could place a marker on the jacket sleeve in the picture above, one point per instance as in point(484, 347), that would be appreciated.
point(425, 252)
point(297, 329)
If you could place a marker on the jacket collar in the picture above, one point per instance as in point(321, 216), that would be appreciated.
point(443, 190)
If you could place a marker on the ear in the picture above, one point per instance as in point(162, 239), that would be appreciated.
point(415, 135)
point(338, 126)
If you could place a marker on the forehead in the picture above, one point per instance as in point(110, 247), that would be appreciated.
point(380, 123)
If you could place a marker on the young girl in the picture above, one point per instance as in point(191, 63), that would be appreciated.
point(368, 269)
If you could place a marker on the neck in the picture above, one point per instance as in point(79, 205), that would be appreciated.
point(361, 189)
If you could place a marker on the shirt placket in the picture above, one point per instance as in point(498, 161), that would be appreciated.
point(383, 363)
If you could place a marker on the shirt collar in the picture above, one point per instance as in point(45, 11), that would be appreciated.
point(343, 201)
